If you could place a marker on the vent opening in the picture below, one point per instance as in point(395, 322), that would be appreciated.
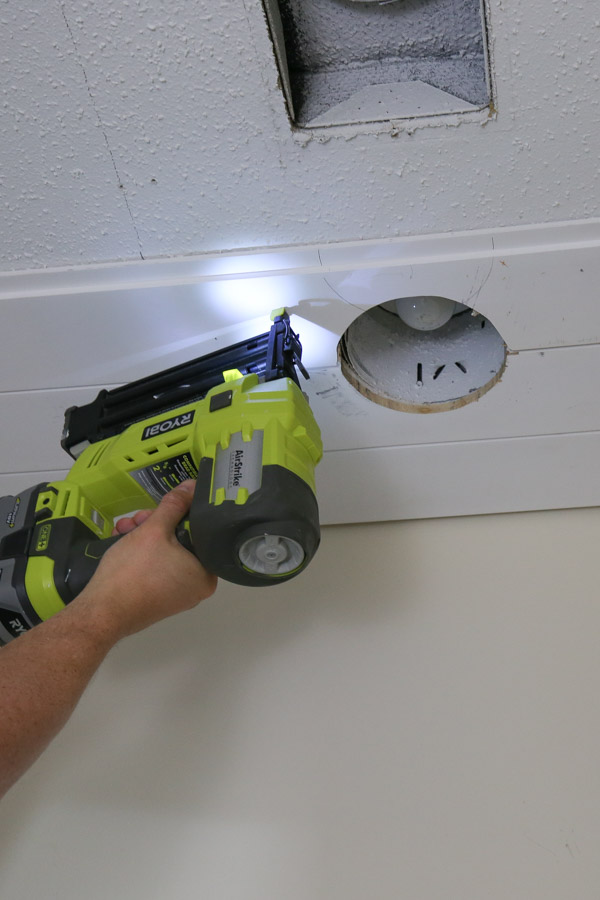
point(356, 61)
point(422, 371)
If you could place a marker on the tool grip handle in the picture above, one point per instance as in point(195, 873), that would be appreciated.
point(85, 558)
point(83, 562)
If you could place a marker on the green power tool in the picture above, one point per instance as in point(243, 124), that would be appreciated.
point(235, 420)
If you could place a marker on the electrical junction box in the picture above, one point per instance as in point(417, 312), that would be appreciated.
point(518, 430)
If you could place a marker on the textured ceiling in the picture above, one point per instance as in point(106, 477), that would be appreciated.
point(151, 129)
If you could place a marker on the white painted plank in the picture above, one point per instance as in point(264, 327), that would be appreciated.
point(541, 392)
point(457, 246)
point(32, 425)
point(471, 478)
point(413, 718)
point(113, 336)
point(544, 296)
point(439, 480)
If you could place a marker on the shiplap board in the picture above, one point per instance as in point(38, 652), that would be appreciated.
point(517, 406)
point(461, 478)
point(543, 294)
point(116, 335)
point(440, 480)
point(540, 392)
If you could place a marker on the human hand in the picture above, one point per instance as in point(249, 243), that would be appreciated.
point(147, 575)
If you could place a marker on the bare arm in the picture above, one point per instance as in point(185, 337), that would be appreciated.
point(145, 577)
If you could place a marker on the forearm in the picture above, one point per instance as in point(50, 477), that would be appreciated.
point(43, 674)
point(141, 579)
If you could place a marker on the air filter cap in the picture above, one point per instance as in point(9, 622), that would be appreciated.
point(271, 554)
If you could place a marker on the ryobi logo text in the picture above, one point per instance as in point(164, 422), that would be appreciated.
point(168, 425)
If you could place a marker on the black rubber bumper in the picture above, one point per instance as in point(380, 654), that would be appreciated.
point(283, 505)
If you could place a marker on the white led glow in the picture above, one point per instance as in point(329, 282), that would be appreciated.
point(319, 345)
point(239, 299)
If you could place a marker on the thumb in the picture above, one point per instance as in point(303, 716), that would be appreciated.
point(174, 506)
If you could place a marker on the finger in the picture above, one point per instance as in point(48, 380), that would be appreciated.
point(174, 506)
point(130, 523)
point(141, 515)
point(124, 525)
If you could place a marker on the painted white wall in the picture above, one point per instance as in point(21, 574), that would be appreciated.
point(145, 129)
point(416, 716)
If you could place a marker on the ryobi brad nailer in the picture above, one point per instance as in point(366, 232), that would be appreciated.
point(235, 420)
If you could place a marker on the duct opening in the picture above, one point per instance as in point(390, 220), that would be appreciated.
point(416, 365)
point(355, 61)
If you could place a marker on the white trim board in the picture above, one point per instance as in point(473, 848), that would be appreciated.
point(454, 246)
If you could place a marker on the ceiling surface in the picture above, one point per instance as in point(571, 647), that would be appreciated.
point(150, 129)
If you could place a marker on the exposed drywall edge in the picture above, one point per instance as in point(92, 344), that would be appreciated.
point(394, 127)
point(276, 37)
point(489, 52)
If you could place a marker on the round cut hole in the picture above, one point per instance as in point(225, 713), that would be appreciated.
point(422, 371)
